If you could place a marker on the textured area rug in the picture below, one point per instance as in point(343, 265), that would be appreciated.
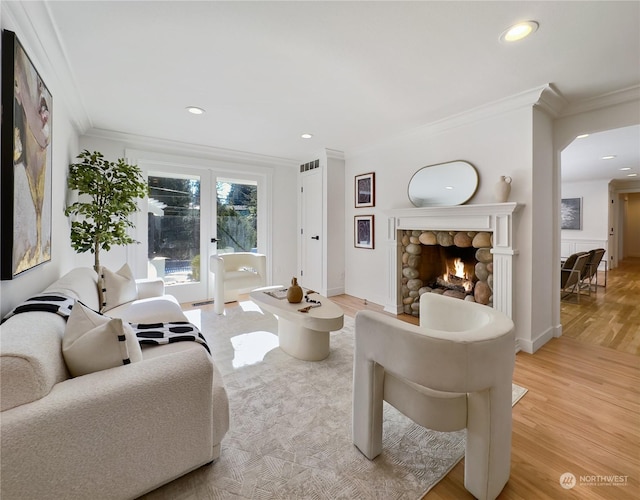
point(290, 432)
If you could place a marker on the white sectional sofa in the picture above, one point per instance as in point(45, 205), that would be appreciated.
point(114, 433)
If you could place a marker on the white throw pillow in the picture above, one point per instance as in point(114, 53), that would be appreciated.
point(117, 288)
point(93, 342)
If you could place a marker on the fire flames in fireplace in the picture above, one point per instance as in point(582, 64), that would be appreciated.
point(456, 277)
point(447, 269)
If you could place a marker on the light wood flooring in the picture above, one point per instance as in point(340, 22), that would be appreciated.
point(582, 412)
point(611, 316)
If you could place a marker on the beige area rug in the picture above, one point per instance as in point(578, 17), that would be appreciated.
point(290, 433)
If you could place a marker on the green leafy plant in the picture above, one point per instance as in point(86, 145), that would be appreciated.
point(195, 268)
point(108, 192)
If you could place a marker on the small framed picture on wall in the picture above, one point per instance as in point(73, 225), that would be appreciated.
point(363, 231)
point(365, 194)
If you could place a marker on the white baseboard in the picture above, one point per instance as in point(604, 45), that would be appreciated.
point(531, 346)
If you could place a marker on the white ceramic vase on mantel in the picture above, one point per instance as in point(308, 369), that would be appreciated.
point(502, 189)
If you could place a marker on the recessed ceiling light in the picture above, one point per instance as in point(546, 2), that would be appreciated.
point(519, 31)
point(448, 187)
point(632, 175)
point(306, 136)
point(609, 157)
point(194, 110)
point(582, 136)
point(625, 168)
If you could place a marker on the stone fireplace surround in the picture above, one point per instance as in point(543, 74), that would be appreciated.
point(428, 255)
point(496, 219)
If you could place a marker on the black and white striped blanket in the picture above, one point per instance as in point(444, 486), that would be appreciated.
point(51, 302)
point(168, 333)
point(147, 333)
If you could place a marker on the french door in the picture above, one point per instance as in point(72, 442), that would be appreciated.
point(192, 213)
point(180, 229)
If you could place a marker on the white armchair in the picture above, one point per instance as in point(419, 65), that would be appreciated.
point(454, 371)
point(234, 273)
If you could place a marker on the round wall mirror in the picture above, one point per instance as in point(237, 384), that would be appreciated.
point(444, 184)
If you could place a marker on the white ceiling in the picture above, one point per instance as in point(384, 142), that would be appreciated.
point(583, 159)
point(350, 73)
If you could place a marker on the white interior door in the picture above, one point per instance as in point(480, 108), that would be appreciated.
point(312, 238)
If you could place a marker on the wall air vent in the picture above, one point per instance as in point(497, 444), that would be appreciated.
point(309, 166)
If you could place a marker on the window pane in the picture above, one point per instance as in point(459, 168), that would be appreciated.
point(174, 227)
point(237, 206)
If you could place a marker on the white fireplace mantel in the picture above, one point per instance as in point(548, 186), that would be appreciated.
point(496, 218)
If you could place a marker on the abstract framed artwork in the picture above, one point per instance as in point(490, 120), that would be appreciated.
point(25, 163)
point(363, 231)
point(365, 193)
point(571, 213)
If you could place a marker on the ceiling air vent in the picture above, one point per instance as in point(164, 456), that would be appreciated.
point(309, 166)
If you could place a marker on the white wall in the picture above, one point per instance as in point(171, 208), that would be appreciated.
point(541, 239)
point(595, 211)
point(498, 144)
point(64, 147)
point(333, 221)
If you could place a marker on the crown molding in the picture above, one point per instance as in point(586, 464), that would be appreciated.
point(132, 141)
point(551, 101)
point(622, 96)
point(33, 24)
point(625, 186)
point(544, 96)
point(524, 99)
point(326, 154)
point(334, 154)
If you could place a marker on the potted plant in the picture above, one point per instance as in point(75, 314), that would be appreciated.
point(108, 192)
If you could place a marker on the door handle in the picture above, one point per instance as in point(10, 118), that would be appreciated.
point(315, 237)
point(214, 240)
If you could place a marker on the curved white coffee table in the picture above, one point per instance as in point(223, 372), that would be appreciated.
point(302, 335)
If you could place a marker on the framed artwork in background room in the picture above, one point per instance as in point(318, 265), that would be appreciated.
point(25, 164)
point(365, 190)
point(363, 231)
point(571, 213)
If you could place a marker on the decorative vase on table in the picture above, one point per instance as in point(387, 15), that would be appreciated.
point(294, 292)
point(503, 188)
